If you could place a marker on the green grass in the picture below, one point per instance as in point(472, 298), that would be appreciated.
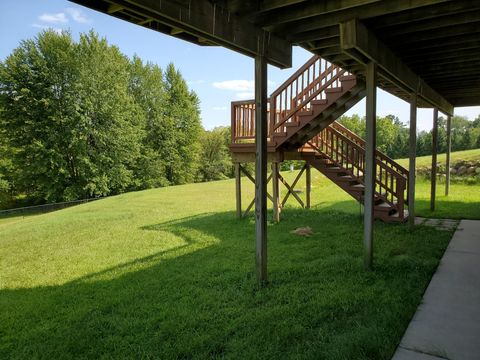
point(169, 273)
point(426, 161)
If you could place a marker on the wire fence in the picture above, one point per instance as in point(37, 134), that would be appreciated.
point(35, 209)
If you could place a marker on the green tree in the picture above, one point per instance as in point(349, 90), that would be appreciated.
point(215, 161)
point(71, 123)
point(182, 110)
point(147, 86)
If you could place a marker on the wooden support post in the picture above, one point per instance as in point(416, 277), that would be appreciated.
point(412, 161)
point(275, 192)
point(449, 150)
point(308, 176)
point(433, 187)
point(238, 189)
point(370, 144)
point(261, 168)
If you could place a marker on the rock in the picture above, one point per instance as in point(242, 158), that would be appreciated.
point(462, 170)
point(302, 231)
point(453, 171)
point(471, 170)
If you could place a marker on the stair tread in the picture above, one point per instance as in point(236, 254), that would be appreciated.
point(334, 89)
point(319, 102)
point(347, 77)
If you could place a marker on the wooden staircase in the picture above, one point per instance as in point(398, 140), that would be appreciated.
point(339, 154)
point(301, 121)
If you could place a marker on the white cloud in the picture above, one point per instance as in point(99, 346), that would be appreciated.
point(235, 85)
point(245, 95)
point(245, 89)
point(58, 18)
point(40, 26)
point(77, 15)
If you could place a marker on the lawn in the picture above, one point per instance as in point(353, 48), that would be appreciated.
point(426, 161)
point(169, 273)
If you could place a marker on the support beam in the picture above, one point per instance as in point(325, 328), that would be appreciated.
point(370, 144)
point(313, 8)
point(363, 45)
point(411, 161)
point(238, 189)
point(434, 160)
point(261, 168)
point(203, 19)
point(308, 187)
point(449, 150)
point(275, 192)
point(360, 12)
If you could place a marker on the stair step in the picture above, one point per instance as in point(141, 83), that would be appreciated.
point(347, 77)
point(396, 216)
point(357, 187)
point(280, 134)
point(383, 206)
point(291, 124)
point(305, 113)
point(334, 90)
point(334, 169)
point(319, 102)
point(346, 178)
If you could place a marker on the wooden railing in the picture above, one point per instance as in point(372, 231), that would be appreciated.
point(296, 94)
point(243, 121)
point(347, 150)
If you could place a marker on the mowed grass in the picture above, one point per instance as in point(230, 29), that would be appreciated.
point(169, 273)
point(426, 161)
point(463, 202)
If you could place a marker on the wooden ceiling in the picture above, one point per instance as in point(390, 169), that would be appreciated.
point(439, 40)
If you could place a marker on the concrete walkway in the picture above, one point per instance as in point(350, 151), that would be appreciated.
point(447, 323)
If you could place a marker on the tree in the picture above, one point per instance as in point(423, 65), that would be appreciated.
point(215, 161)
point(147, 86)
point(182, 110)
point(72, 125)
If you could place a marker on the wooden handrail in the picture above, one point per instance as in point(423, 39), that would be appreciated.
point(307, 100)
point(400, 169)
point(295, 75)
point(348, 153)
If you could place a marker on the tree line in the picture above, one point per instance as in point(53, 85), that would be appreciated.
point(393, 135)
point(79, 119)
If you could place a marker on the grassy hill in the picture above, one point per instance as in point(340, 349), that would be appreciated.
point(424, 161)
point(169, 273)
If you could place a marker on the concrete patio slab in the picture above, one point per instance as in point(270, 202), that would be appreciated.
point(404, 354)
point(447, 323)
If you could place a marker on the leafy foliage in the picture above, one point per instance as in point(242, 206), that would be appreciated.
point(80, 119)
point(215, 160)
point(393, 135)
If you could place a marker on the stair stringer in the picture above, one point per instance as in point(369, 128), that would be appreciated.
point(338, 101)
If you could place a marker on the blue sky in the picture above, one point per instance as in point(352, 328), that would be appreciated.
point(217, 75)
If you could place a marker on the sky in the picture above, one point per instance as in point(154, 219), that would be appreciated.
point(217, 75)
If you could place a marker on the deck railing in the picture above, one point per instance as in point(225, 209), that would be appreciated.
point(296, 94)
point(347, 150)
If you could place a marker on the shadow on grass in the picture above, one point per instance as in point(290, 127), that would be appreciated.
point(445, 208)
point(200, 300)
